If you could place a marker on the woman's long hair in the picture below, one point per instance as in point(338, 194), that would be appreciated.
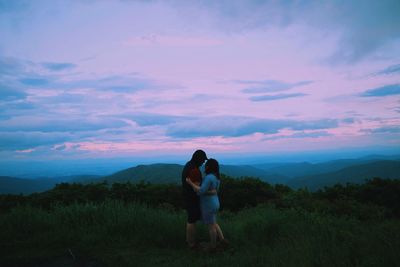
point(212, 166)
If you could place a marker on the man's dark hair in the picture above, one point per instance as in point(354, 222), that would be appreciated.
point(199, 156)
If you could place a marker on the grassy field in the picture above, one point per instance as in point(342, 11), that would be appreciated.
point(117, 234)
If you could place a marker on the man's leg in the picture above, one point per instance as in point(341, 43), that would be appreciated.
point(194, 214)
point(191, 234)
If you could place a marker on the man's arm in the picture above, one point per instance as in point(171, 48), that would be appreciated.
point(197, 187)
point(193, 185)
point(211, 192)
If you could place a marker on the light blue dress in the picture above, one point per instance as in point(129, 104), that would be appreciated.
point(209, 204)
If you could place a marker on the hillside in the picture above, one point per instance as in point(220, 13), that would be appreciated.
point(250, 171)
point(171, 173)
point(153, 173)
point(353, 174)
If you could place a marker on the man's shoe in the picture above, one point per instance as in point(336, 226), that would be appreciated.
point(193, 246)
point(224, 243)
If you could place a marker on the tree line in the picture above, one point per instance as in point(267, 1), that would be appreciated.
point(374, 200)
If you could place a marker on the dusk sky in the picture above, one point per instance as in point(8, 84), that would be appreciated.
point(109, 79)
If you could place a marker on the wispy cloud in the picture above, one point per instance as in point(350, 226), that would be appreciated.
point(9, 109)
point(383, 130)
point(58, 66)
point(267, 86)
point(151, 119)
point(9, 93)
point(275, 97)
point(21, 140)
point(270, 86)
point(67, 124)
point(348, 120)
point(387, 90)
point(21, 78)
point(12, 66)
point(117, 84)
point(311, 134)
point(301, 135)
point(230, 126)
point(352, 31)
point(393, 69)
point(38, 82)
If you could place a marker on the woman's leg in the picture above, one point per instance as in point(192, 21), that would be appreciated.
point(219, 232)
point(212, 229)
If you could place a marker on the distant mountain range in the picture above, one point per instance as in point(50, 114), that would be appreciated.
point(353, 174)
point(13, 185)
point(296, 175)
point(305, 168)
point(171, 173)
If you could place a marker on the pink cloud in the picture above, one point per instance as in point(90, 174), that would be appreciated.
point(25, 151)
point(215, 144)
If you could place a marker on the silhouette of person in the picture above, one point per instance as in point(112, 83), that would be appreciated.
point(209, 203)
point(191, 170)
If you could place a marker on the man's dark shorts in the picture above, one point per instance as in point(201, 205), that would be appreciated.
point(193, 212)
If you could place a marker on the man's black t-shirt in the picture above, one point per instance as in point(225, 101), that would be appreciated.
point(192, 171)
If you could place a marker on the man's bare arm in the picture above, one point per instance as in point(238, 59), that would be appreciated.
point(196, 188)
point(211, 192)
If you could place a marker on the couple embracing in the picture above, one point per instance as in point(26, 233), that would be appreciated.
point(201, 198)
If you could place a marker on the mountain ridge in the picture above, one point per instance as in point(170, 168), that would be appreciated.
point(353, 174)
point(171, 173)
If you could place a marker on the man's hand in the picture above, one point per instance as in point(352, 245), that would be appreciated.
point(195, 186)
point(211, 192)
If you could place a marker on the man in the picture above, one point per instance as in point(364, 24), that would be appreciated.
point(192, 203)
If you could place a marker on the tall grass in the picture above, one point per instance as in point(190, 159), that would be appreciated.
point(114, 233)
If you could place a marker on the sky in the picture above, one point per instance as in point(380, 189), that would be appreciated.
point(159, 79)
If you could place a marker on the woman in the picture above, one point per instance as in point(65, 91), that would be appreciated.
point(209, 204)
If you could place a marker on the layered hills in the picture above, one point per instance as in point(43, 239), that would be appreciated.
point(295, 175)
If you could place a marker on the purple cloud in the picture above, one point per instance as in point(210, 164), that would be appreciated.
point(58, 66)
point(8, 93)
point(393, 69)
point(275, 97)
point(20, 140)
point(387, 90)
point(270, 86)
point(230, 126)
point(385, 129)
